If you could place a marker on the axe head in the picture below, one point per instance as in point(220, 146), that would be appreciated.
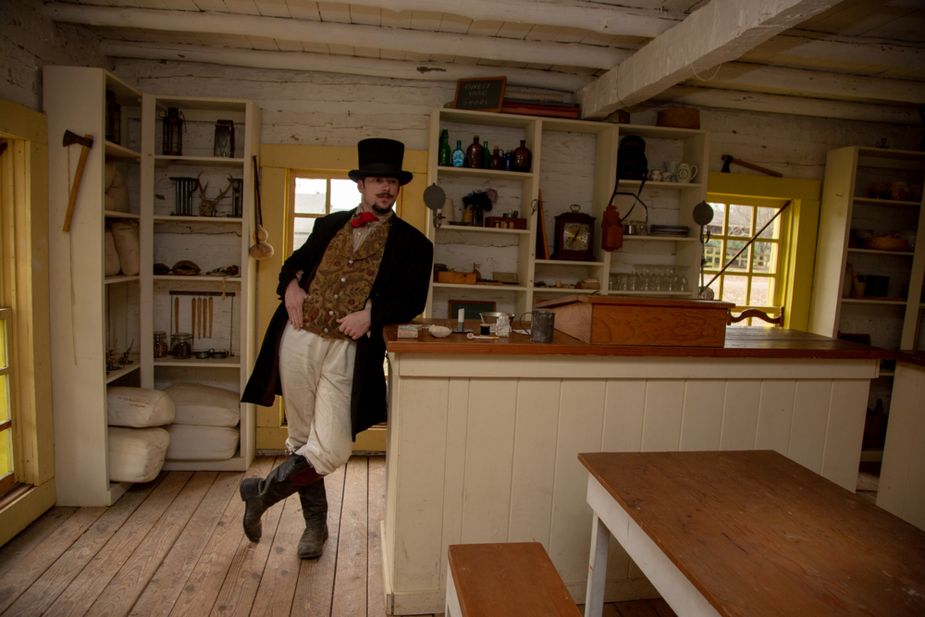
point(71, 138)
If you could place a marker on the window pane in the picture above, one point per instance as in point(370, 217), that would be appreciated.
point(310, 194)
point(4, 398)
point(740, 264)
point(773, 230)
point(762, 291)
point(713, 253)
point(6, 452)
point(4, 358)
point(303, 228)
point(735, 289)
point(344, 195)
point(719, 212)
point(740, 220)
point(765, 260)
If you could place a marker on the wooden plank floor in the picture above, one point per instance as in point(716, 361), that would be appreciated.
point(175, 548)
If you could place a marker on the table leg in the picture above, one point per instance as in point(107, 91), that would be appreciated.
point(597, 568)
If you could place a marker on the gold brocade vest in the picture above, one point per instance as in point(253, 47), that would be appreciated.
point(343, 280)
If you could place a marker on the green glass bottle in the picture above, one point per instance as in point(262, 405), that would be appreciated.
point(444, 157)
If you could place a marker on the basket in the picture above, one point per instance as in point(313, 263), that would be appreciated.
point(679, 117)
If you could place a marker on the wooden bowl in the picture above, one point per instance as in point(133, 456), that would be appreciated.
point(886, 242)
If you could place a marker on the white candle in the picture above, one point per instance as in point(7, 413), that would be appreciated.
point(461, 316)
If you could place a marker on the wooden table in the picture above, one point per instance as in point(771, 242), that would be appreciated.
point(750, 533)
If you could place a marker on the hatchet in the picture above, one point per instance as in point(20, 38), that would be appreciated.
point(86, 142)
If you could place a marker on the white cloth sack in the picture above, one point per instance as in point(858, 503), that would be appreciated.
point(204, 405)
point(116, 191)
point(112, 266)
point(136, 454)
point(201, 443)
point(138, 407)
point(125, 235)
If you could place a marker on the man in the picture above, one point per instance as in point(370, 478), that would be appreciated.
point(324, 349)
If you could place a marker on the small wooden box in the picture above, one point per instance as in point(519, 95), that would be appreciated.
point(459, 278)
point(660, 322)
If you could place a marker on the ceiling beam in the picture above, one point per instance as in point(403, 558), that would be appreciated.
point(350, 65)
point(289, 29)
point(813, 84)
point(778, 104)
point(720, 31)
point(593, 17)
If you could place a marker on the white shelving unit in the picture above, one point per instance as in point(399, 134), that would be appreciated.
point(857, 200)
point(216, 242)
point(94, 315)
point(91, 313)
point(573, 162)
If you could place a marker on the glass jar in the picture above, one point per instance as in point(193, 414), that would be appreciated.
point(474, 153)
point(160, 344)
point(181, 345)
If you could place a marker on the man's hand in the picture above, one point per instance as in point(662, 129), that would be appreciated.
point(295, 298)
point(356, 324)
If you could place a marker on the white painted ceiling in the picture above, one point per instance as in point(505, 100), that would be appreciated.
point(857, 59)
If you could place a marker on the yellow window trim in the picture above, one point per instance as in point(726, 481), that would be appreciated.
point(805, 194)
point(277, 164)
point(24, 288)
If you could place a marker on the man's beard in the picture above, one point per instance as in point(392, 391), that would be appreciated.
point(380, 210)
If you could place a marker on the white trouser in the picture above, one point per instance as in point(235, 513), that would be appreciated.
point(316, 374)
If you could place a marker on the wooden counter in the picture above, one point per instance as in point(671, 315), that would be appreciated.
point(741, 342)
point(484, 436)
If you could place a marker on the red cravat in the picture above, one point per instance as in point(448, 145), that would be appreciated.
point(363, 218)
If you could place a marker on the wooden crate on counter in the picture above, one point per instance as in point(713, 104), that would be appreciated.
point(609, 320)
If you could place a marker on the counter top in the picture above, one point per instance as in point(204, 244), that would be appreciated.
point(911, 357)
point(741, 342)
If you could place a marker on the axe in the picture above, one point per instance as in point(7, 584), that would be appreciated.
point(728, 159)
point(86, 142)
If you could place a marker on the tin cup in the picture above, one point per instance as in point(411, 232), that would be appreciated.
point(542, 326)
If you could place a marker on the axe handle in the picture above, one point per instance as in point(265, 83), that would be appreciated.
point(75, 186)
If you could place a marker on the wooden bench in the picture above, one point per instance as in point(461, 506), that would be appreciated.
point(505, 580)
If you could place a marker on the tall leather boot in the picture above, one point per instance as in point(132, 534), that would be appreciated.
point(314, 502)
point(259, 494)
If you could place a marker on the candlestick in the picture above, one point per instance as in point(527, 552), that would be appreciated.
point(460, 320)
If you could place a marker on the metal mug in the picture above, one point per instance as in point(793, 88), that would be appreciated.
point(542, 326)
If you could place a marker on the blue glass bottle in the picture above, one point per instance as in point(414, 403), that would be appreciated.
point(459, 157)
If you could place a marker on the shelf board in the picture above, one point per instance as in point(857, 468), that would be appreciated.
point(233, 362)
point(871, 201)
point(235, 463)
point(118, 214)
point(566, 262)
point(480, 287)
point(653, 294)
point(883, 301)
point(117, 151)
point(216, 161)
point(489, 230)
point(879, 252)
point(563, 290)
point(485, 173)
point(197, 277)
point(648, 238)
point(119, 278)
point(111, 376)
point(170, 218)
point(663, 185)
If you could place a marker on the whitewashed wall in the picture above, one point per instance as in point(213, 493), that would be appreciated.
point(335, 109)
point(29, 41)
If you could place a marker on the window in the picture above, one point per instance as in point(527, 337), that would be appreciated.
point(7, 479)
point(755, 276)
point(315, 194)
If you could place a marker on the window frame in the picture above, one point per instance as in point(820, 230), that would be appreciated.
point(804, 194)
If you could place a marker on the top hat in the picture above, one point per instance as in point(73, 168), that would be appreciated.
point(380, 157)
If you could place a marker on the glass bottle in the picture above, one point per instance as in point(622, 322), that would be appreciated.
point(160, 344)
point(522, 157)
point(444, 156)
point(459, 157)
point(474, 153)
point(486, 155)
point(497, 159)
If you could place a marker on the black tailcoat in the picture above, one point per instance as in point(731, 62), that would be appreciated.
point(398, 294)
